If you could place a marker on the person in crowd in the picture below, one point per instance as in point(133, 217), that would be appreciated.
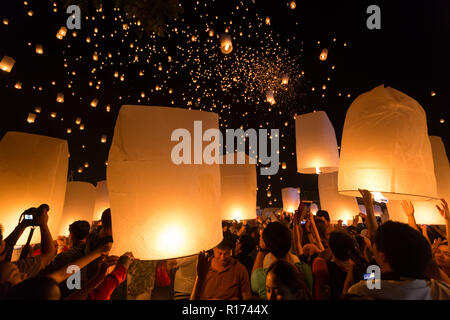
point(403, 255)
point(78, 232)
point(441, 254)
point(244, 246)
point(185, 277)
point(276, 239)
point(333, 278)
point(285, 282)
point(221, 277)
point(31, 266)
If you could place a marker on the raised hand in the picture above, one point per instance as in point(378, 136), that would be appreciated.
point(437, 242)
point(366, 195)
point(408, 208)
point(203, 264)
point(444, 211)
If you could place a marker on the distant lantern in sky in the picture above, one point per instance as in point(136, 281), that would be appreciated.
point(283, 165)
point(94, 103)
point(78, 205)
point(291, 199)
point(18, 85)
point(39, 49)
point(177, 216)
point(316, 145)
point(7, 63)
point(338, 206)
point(211, 32)
point(31, 117)
point(95, 56)
point(238, 201)
point(226, 45)
point(53, 114)
point(78, 120)
point(116, 74)
point(293, 5)
point(269, 97)
point(426, 211)
point(267, 21)
point(385, 147)
point(103, 139)
point(284, 79)
point(323, 54)
point(61, 33)
point(81, 126)
point(38, 110)
point(101, 200)
point(27, 179)
point(60, 97)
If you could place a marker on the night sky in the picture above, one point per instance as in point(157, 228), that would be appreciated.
point(185, 68)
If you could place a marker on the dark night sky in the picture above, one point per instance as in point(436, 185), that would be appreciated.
point(410, 53)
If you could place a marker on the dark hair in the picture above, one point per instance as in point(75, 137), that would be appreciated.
point(106, 219)
point(290, 277)
point(225, 244)
point(342, 245)
point(37, 288)
point(80, 229)
point(277, 238)
point(323, 213)
point(321, 228)
point(247, 244)
point(406, 250)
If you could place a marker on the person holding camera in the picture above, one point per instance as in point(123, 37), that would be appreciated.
point(32, 217)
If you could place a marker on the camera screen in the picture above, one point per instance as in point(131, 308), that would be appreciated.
point(28, 217)
point(369, 276)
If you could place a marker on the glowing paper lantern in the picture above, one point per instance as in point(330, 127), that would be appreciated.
point(226, 45)
point(426, 211)
point(61, 33)
point(238, 190)
point(269, 97)
point(316, 144)
point(293, 5)
point(78, 205)
point(60, 97)
point(291, 199)
point(285, 79)
point(33, 171)
point(385, 147)
point(101, 200)
point(31, 117)
point(39, 49)
point(323, 54)
point(94, 103)
point(7, 63)
point(161, 210)
point(314, 208)
point(103, 139)
point(338, 206)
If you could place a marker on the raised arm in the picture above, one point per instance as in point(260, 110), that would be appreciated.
point(48, 250)
point(445, 213)
point(371, 220)
point(202, 270)
point(316, 232)
point(408, 209)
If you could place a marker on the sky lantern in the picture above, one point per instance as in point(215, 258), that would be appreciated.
point(385, 147)
point(60, 97)
point(101, 200)
point(291, 199)
point(61, 33)
point(267, 20)
point(293, 5)
point(7, 63)
point(31, 117)
point(39, 49)
point(338, 206)
point(426, 211)
point(94, 103)
point(270, 97)
point(160, 209)
point(28, 179)
point(226, 45)
point(323, 54)
point(316, 146)
point(78, 205)
point(238, 182)
point(284, 79)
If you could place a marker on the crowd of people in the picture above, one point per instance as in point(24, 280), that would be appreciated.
point(299, 256)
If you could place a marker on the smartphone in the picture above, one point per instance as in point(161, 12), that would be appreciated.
point(303, 222)
point(369, 276)
point(28, 217)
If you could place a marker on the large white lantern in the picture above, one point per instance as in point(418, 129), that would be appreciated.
point(33, 171)
point(78, 205)
point(385, 147)
point(338, 206)
point(425, 212)
point(291, 199)
point(101, 200)
point(159, 209)
point(238, 189)
point(316, 146)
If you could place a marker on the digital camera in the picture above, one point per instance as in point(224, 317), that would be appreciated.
point(32, 215)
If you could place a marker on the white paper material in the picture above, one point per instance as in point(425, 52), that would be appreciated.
point(101, 200)
point(291, 199)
